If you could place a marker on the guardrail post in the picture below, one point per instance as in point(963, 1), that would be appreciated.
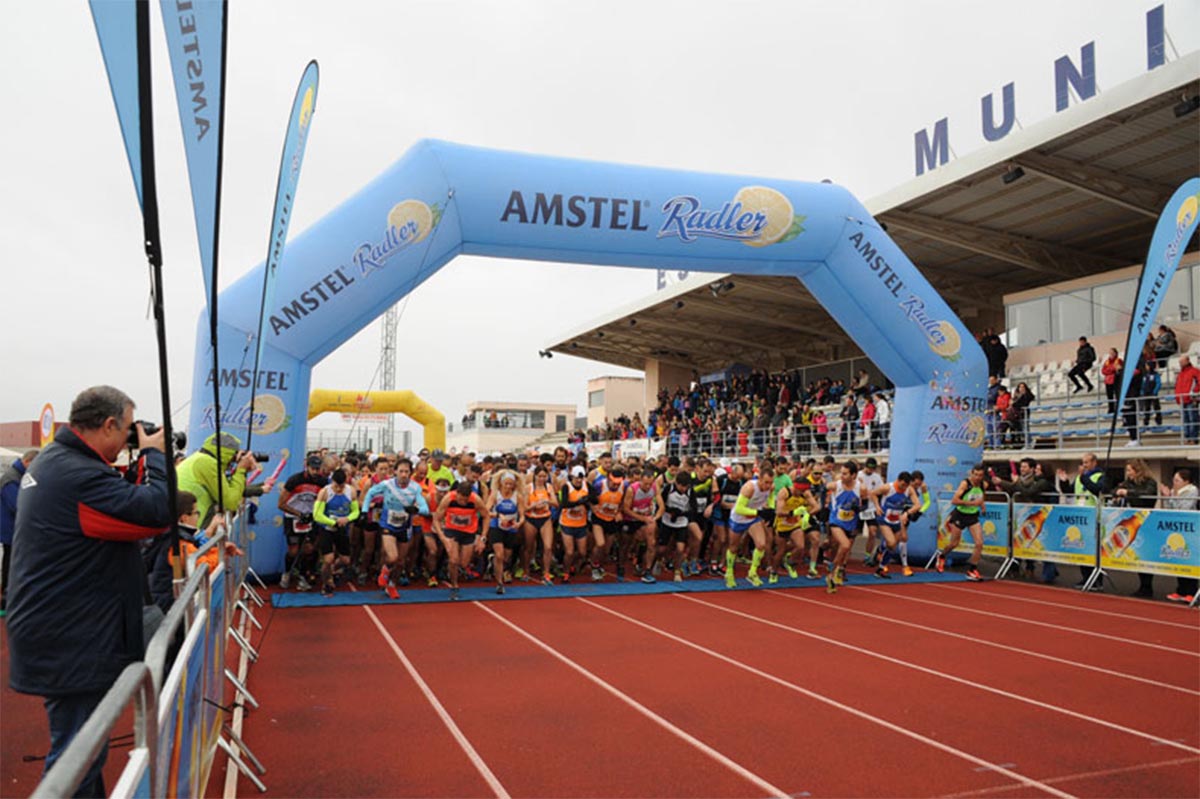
point(1097, 572)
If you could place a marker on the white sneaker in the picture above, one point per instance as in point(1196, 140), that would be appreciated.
point(285, 580)
point(303, 585)
point(1133, 444)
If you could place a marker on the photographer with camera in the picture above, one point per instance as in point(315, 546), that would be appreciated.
point(75, 604)
point(200, 472)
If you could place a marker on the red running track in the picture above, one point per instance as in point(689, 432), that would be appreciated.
point(730, 695)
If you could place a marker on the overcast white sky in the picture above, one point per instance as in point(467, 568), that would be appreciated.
point(798, 90)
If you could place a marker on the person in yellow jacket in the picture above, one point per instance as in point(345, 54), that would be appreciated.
point(201, 470)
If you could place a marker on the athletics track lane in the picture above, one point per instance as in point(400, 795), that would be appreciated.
point(1155, 610)
point(1043, 744)
point(928, 612)
point(340, 716)
point(790, 739)
point(542, 728)
point(1065, 618)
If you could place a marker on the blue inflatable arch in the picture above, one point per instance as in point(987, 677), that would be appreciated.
point(443, 199)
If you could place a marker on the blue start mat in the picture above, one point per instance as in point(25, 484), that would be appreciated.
point(486, 592)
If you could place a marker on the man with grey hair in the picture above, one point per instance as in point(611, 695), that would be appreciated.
point(10, 483)
point(75, 610)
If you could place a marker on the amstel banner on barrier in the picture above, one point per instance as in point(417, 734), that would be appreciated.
point(994, 521)
point(1152, 541)
point(1057, 533)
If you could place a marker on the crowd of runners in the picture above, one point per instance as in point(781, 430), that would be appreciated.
point(558, 518)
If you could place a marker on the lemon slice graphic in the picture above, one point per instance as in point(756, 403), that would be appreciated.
point(951, 344)
point(414, 211)
point(771, 203)
point(272, 411)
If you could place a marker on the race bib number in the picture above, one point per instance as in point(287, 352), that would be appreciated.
point(461, 519)
point(701, 503)
point(302, 527)
point(845, 515)
point(507, 522)
point(893, 516)
point(397, 518)
point(608, 509)
point(867, 514)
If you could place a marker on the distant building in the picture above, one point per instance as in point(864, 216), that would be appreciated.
point(610, 397)
point(493, 426)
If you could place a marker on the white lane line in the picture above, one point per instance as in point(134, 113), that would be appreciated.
point(916, 736)
point(1060, 605)
point(1062, 590)
point(1056, 627)
point(472, 755)
point(730, 764)
point(952, 677)
point(1083, 775)
point(996, 644)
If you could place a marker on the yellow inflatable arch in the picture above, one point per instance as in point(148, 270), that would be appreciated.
point(405, 402)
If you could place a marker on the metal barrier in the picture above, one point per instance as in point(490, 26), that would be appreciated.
point(139, 776)
point(180, 721)
point(995, 524)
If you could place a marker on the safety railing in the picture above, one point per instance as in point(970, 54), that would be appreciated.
point(135, 685)
point(180, 721)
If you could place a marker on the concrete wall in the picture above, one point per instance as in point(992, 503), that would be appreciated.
point(660, 374)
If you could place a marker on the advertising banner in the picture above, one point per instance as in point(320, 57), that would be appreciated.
point(631, 448)
point(46, 425)
point(1057, 533)
point(214, 669)
point(1152, 541)
point(172, 702)
point(994, 520)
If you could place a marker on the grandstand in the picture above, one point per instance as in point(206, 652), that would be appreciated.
point(1068, 202)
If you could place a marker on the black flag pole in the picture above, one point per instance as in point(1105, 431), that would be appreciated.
point(212, 300)
point(150, 235)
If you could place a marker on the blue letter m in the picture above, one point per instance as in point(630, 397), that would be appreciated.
point(935, 154)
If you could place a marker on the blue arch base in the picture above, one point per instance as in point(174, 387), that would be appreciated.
point(442, 199)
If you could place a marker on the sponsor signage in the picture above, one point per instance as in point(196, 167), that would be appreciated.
point(1154, 541)
point(1058, 533)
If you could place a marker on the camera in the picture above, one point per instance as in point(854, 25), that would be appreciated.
point(178, 438)
point(261, 457)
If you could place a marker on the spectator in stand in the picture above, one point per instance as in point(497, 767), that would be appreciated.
point(870, 433)
point(75, 612)
point(883, 421)
point(993, 394)
point(1182, 495)
point(1138, 490)
point(995, 352)
point(820, 423)
point(1129, 411)
point(849, 416)
point(1164, 345)
point(1085, 358)
point(1187, 395)
point(1019, 414)
point(10, 486)
point(1148, 400)
point(1001, 413)
point(862, 384)
point(1111, 371)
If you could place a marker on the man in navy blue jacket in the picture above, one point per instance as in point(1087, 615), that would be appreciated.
point(10, 484)
point(75, 607)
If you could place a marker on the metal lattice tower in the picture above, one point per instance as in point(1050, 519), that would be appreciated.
point(387, 354)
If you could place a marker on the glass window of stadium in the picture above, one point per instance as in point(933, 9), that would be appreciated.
point(1111, 306)
point(1029, 322)
point(1071, 315)
point(595, 398)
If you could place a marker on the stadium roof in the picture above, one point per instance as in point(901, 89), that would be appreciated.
point(1089, 184)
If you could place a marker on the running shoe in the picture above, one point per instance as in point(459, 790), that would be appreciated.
point(678, 576)
point(839, 575)
point(500, 588)
point(772, 578)
point(285, 580)
point(730, 580)
point(648, 579)
point(432, 581)
point(813, 574)
point(869, 560)
point(566, 577)
point(1184, 598)
point(392, 592)
point(974, 576)
point(403, 580)
point(360, 578)
point(830, 584)
point(327, 590)
point(620, 573)
point(754, 579)
point(882, 573)
point(472, 574)
point(519, 573)
point(302, 584)
point(941, 564)
point(508, 577)
point(547, 578)
point(384, 574)
point(454, 593)
point(791, 570)
point(657, 570)
point(908, 572)
point(597, 574)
